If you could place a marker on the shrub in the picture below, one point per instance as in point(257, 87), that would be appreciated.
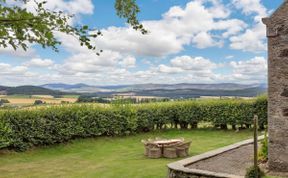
point(251, 172)
point(38, 102)
point(65, 102)
point(5, 132)
point(23, 128)
point(4, 101)
point(263, 152)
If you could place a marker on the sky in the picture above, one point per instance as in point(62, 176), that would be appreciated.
point(189, 41)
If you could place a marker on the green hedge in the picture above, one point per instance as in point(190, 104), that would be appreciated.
point(21, 129)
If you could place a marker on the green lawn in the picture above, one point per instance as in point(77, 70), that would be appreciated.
point(120, 157)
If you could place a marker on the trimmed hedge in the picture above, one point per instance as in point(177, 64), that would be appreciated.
point(21, 129)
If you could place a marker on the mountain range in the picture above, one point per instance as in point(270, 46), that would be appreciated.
point(165, 90)
point(182, 90)
point(29, 90)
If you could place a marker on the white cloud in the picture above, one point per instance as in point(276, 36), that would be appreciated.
point(193, 64)
point(37, 62)
point(205, 40)
point(254, 38)
point(180, 69)
point(89, 62)
point(229, 57)
point(72, 6)
point(218, 9)
point(18, 53)
point(194, 24)
point(128, 61)
point(254, 69)
point(7, 69)
point(168, 69)
point(249, 7)
point(189, 69)
point(201, 70)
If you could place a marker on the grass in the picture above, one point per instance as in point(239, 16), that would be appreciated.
point(106, 157)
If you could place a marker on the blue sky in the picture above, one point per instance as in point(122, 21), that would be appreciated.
point(193, 41)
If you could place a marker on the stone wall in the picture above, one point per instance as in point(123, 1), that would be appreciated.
point(277, 33)
point(180, 174)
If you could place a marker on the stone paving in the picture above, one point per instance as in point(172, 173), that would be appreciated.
point(227, 162)
point(232, 162)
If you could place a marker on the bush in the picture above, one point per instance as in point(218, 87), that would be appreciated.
point(4, 101)
point(263, 152)
point(260, 109)
point(65, 102)
point(38, 102)
point(5, 132)
point(24, 128)
point(251, 172)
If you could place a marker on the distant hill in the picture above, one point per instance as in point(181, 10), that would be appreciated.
point(29, 90)
point(140, 88)
point(63, 86)
point(182, 90)
point(187, 86)
point(195, 93)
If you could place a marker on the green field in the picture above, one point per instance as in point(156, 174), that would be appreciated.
point(28, 100)
point(71, 96)
point(106, 157)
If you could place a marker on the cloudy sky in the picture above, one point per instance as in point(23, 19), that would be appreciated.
point(193, 41)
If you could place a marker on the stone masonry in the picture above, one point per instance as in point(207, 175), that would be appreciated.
point(277, 33)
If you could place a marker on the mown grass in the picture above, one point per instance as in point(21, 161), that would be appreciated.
point(106, 157)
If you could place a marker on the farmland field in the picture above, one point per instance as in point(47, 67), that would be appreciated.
point(26, 100)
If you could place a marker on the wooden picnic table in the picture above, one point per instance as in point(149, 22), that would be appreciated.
point(167, 142)
point(162, 143)
point(156, 148)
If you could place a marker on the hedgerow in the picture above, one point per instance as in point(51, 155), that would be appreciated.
point(24, 128)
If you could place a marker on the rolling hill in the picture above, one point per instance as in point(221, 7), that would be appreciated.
point(195, 93)
point(182, 90)
point(29, 90)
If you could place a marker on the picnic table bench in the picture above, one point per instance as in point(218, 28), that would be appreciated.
point(168, 148)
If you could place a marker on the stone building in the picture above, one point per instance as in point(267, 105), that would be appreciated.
point(277, 33)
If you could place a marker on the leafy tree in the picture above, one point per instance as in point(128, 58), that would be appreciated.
point(4, 101)
point(20, 27)
point(38, 102)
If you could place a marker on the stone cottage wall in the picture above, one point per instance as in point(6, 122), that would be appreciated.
point(277, 33)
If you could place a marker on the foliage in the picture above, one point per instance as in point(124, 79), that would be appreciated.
point(261, 110)
point(263, 152)
point(91, 99)
point(20, 27)
point(251, 172)
point(5, 132)
point(65, 102)
point(4, 101)
point(57, 124)
point(128, 9)
point(38, 102)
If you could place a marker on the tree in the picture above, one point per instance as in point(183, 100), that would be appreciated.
point(20, 27)
point(38, 102)
point(4, 101)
